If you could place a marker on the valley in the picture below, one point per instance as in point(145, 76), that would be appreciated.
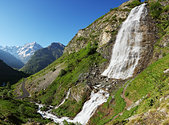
point(113, 72)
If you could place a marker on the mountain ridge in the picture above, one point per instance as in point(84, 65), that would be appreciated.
point(8, 74)
point(43, 57)
point(10, 60)
point(24, 52)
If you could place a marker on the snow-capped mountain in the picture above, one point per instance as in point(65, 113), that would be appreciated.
point(11, 49)
point(22, 52)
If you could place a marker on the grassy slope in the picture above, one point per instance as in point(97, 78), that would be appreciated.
point(109, 110)
point(15, 111)
point(152, 84)
point(8, 74)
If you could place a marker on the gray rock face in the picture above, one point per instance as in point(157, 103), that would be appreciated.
point(149, 30)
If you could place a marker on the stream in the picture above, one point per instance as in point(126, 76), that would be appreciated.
point(88, 109)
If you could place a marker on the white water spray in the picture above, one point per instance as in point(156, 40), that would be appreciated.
point(67, 96)
point(126, 50)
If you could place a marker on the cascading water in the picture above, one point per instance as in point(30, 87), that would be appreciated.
point(126, 50)
point(67, 96)
point(87, 111)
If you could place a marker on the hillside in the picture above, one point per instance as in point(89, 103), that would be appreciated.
point(10, 60)
point(115, 71)
point(8, 74)
point(43, 58)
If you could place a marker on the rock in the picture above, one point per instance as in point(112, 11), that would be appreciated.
point(106, 36)
point(166, 71)
point(79, 91)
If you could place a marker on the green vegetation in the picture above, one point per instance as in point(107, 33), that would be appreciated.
point(81, 38)
point(126, 114)
point(116, 8)
point(76, 65)
point(42, 58)
point(152, 84)
point(9, 75)
point(155, 9)
point(71, 107)
point(15, 111)
point(116, 108)
point(166, 8)
point(162, 23)
point(148, 80)
point(134, 3)
point(120, 103)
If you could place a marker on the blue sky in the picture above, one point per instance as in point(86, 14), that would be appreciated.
point(47, 21)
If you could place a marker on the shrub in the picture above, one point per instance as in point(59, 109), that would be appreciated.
point(91, 48)
point(62, 72)
point(164, 54)
point(155, 9)
point(133, 4)
point(114, 9)
point(166, 8)
point(81, 38)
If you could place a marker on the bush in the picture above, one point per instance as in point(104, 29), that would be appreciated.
point(166, 8)
point(91, 48)
point(81, 38)
point(62, 72)
point(133, 4)
point(114, 9)
point(22, 108)
point(155, 9)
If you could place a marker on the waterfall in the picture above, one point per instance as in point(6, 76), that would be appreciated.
point(127, 47)
point(90, 106)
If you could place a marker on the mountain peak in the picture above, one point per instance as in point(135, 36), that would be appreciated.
point(22, 52)
point(56, 45)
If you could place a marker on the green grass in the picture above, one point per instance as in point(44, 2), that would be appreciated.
point(17, 112)
point(147, 80)
point(70, 108)
point(118, 107)
point(151, 81)
point(155, 9)
point(152, 84)
point(134, 3)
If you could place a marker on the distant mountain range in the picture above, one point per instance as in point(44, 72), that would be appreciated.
point(11, 60)
point(22, 53)
point(43, 57)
